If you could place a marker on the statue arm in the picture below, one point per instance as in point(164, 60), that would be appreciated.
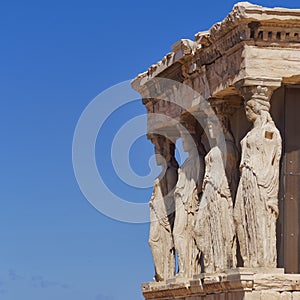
point(268, 173)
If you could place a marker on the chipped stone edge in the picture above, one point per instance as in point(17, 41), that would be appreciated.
point(241, 12)
point(244, 280)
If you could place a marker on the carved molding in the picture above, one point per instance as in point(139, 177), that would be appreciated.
point(257, 88)
point(245, 24)
point(234, 283)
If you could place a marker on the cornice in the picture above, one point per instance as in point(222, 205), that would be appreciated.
point(246, 23)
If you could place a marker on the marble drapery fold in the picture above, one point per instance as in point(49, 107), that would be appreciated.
point(214, 226)
point(162, 211)
point(190, 176)
point(256, 207)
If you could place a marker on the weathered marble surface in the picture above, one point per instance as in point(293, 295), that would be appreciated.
point(190, 176)
point(256, 207)
point(253, 51)
point(162, 210)
point(235, 284)
point(224, 109)
point(251, 42)
point(214, 227)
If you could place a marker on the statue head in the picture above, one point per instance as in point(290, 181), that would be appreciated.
point(251, 111)
point(190, 133)
point(257, 109)
point(164, 150)
point(188, 142)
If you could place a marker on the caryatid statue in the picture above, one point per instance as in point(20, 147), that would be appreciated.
point(224, 109)
point(162, 209)
point(256, 206)
point(214, 226)
point(190, 176)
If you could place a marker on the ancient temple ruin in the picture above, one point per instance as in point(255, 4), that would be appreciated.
point(229, 215)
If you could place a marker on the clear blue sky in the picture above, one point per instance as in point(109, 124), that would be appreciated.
point(55, 57)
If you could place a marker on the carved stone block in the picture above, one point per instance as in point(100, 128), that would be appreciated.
point(286, 296)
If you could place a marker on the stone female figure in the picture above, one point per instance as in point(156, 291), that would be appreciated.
point(214, 226)
point(162, 210)
point(256, 207)
point(190, 176)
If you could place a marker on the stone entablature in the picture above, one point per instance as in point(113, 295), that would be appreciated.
point(251, 43)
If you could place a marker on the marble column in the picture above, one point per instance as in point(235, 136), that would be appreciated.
point(214, 226)
point(256, 206)
point(224, 108)
point(190, 177)
point(162, 209)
